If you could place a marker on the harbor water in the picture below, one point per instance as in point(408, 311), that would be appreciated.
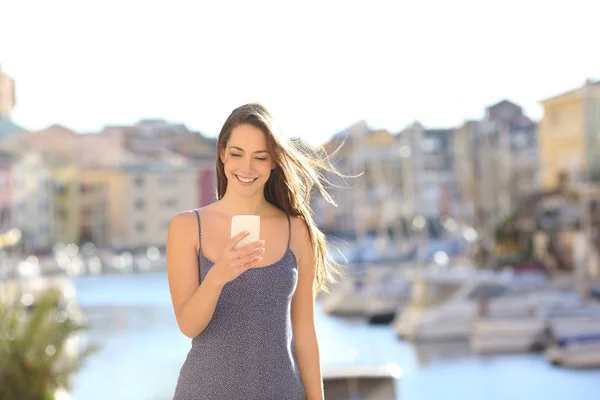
point(142, 350)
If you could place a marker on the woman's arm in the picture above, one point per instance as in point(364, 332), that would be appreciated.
point(303, 314)
point(194, 304)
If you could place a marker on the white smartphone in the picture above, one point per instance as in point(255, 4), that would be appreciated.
point(250, 223)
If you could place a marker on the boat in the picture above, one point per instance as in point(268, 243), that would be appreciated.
point(362, 382)
point(575, 340)
point(387, 298)
point(520, 323)
point(576, 352)
point(378, 289)
point(445, 303)
point(347, 299)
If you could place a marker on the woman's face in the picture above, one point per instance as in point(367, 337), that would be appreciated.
point(246, 160)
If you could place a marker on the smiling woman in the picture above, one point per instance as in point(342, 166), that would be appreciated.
point(250, 312)
point(247, 162)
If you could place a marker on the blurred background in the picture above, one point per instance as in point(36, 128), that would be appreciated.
point(470, 245)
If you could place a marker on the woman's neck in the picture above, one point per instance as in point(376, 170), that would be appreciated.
point(237, 205)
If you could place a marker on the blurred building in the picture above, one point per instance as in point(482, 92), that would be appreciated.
point(568, 136)
point(518, 138)
point(340, 219)
point(468, 157)
point(33, 201)
point(7, 161)
point(371, 202)
point(120, 188)
point(67, 194)
point(151, 135)
point(130, 206)
point(28, 200)
point(155, 194)
point(429, 183)
point(8, 98)
point(158, 138)
point(404, 175)
point(496, 163)
point(59, 148)
point(129, 198)
point(7, 102)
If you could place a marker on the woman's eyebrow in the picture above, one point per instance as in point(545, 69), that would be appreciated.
point(240, 149)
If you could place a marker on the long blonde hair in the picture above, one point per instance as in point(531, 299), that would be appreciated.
point(298, 170)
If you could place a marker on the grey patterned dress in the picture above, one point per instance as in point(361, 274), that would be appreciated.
point(247, 350)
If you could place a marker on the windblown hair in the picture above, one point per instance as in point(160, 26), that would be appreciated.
point(298, 171)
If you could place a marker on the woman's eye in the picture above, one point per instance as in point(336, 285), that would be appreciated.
point(236, 155)
point(261, 159)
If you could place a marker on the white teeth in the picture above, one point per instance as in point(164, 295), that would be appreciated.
point(246, 180)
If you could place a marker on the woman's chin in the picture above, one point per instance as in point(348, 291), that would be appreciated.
point(248, 191)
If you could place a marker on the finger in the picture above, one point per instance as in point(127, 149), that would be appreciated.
point(249, 248)
point(252, 264)
point(234, 240)
point(248, 257)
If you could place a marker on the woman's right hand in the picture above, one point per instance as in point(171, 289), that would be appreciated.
point(233, 262)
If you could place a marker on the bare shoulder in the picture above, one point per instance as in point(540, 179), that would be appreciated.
point(301, 243)
point(183, 223)
point(299, 228)
point(182, 219)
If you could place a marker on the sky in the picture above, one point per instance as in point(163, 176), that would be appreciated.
point(319, 66)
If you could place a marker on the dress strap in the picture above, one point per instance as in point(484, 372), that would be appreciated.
point(290, 231)
point(199, 246)
point(198, 219)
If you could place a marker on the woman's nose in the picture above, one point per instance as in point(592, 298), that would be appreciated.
point(248, 164)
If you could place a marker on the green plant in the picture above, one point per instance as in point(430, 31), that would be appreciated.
point(36, 357)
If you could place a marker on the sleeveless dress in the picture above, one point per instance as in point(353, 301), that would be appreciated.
point(247, 350)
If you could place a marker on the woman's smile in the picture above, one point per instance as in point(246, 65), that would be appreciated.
point(245, 180)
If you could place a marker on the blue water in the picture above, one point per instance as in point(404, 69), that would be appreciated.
point(142, 350)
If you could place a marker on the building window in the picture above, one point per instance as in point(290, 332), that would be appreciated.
point(431, 144)
point(553, 118)
point(87, 210)
point(86, 188)
point(44, 205)
point(140, 204)
point(59, 189)
point(140, 227)
point(44, 229)
point(139, 181)
point(61, 213)
point(169, 203)
point(49, 186)
point(168, 180)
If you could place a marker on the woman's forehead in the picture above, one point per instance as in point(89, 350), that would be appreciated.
point(248, 138)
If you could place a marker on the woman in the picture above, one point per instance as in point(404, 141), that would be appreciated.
point(250, 311)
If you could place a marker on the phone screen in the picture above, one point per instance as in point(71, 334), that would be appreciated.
point(250, 223)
